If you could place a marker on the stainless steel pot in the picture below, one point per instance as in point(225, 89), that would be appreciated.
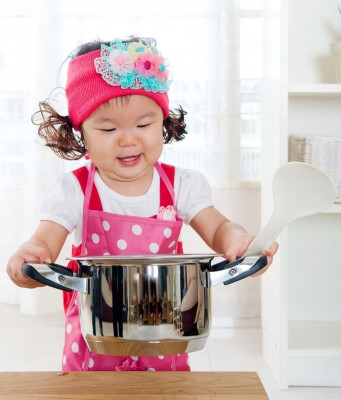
point(145, 305)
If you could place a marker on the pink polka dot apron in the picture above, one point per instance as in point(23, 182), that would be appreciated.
point(107, 233)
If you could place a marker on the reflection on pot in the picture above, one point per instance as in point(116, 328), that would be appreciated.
point(145, 302)
point(191, 303)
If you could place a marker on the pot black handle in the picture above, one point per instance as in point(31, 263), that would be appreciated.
point(229, 272)
point(58, 277)
point(39, 273)
point(257, 266)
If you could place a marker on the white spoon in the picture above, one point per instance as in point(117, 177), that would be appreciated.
point(299, 190)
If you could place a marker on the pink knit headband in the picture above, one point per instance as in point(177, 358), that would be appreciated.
point(121, 69)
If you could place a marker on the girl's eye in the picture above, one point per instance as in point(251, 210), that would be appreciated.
point(108, 130)
point(143, 125)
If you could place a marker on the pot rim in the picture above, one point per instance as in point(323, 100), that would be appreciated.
point(149, 259)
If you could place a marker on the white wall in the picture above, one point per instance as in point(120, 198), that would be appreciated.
point(313, 25)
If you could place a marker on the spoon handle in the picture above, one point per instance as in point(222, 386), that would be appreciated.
point(266, 237)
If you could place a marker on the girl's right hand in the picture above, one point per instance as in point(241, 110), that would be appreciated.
point(28, 252)
point(43, 247)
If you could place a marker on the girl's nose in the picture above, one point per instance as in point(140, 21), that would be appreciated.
point(127, 138)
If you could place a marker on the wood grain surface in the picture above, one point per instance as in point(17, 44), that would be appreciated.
point(131, 385)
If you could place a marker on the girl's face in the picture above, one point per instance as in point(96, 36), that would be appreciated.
point(124, 139)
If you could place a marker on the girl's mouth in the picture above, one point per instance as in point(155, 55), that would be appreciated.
point(129, 160)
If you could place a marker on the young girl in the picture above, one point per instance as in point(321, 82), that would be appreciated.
point(119, 118)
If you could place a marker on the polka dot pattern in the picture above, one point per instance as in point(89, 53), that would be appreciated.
point(106, 226)
point(74, 347)
point(154, 248)
point(122, 244)
point(95, 238)
point(137, 230)
point(116, 235)
point(167, 232)
point(91, 362)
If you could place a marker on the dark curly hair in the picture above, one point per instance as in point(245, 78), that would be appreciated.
point(57, 131)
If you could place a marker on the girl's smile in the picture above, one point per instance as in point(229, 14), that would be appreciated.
point(129, 161)
point(124, 139)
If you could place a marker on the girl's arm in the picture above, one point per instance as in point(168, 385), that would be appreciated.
point(44, 246)
point(226, 237)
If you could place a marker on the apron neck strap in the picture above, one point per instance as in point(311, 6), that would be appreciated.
point(87, 198)
point(166, 180)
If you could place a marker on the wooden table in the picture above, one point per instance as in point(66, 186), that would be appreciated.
point(131, 385)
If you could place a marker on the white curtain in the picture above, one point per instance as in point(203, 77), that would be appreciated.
point(216, 79)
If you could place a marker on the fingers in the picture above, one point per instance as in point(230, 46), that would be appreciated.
point(269, 253)
point(238, 248)
point(15, 273)
point(14, 267)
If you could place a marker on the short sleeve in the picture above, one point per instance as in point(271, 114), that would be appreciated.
point(63, 202)
point(193, 193)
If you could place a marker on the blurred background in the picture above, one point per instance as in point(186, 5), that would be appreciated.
point(215, 50)
point(250, 74)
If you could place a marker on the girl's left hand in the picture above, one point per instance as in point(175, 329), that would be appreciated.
point(240, 244)
point(226, 237)
point(269, 253)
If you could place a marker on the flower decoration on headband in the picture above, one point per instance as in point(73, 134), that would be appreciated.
point(134, 65)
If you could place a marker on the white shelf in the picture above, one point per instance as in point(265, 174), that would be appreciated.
point(314, 353)
point(334, 209)
point(315, 90)
point(320, 337)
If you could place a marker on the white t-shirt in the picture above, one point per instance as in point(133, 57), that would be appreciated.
point(63, 202)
